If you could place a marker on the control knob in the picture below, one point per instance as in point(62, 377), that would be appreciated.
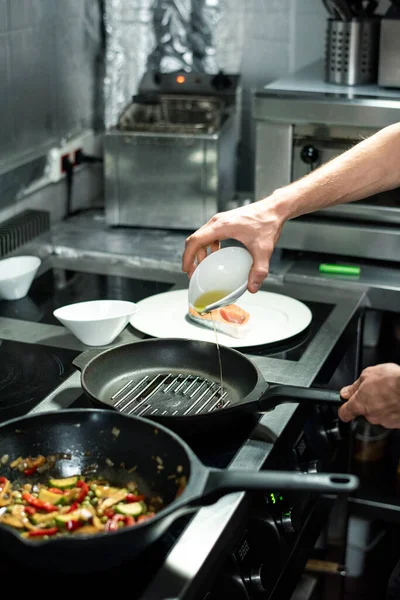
point(287, 521)
point(334, 432)
point(314, 466)
point(309, 154)
point(229, 584)
point(267, 552)
point(259, 580)
point(221, 81)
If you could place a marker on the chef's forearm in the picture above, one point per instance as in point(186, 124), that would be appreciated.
point(371, 166)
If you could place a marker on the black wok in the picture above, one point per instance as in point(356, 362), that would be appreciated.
point(111, 378)
point(107, 434)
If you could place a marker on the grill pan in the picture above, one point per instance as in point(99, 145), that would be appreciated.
point(177, 382)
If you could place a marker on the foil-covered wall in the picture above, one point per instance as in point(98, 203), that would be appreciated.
point(167, 35)
point(130, 39)
point(260, 39)
point(51, 73)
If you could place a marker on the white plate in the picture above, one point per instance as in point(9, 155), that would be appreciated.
point(274, 318)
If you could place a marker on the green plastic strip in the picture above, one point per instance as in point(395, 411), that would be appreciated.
point(339, 269)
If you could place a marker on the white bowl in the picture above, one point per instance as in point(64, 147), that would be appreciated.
point(16, 276)
point(226, 270)
point(98, 322)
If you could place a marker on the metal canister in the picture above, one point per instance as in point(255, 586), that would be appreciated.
point(352, 51)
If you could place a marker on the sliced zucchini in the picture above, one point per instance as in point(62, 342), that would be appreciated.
point(106, 491)
point(65, 483)
point(73, 516)
point(51, 497)
point(133, 509)
point(40, 519)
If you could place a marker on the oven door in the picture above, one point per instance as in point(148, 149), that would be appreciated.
point(312, 148)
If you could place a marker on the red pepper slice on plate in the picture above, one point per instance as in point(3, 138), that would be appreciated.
point(38, 503)
point(73, 525)
point(3, 482)
point(109, 513)
point(31, 471)
point(73, 507)
point(129, 521)
point(134, 498)
point(42, 532)
point(30, 510)
point(84, 490)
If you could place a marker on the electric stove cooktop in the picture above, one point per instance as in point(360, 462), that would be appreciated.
point(28, 373)
point(58, 288)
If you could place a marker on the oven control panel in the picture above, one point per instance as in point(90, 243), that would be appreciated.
point(283, 527)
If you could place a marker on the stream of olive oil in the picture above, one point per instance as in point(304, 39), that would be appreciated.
point(219, 355)
point(200, 304)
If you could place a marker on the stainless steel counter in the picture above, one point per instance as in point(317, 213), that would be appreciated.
point(85, 243)
point(311, 79)
point(367, 106)
point(122, 251)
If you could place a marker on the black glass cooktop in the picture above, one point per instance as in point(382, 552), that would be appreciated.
point(54, 289)
point(28, 373)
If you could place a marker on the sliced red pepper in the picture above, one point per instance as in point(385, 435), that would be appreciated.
point(129, 521)
point(38, 503)
point(72, 525)
point(179, 492)
point(42, 532)
point(57, 491)
point(109, 513)
point(112, 524)
point(144, 517)
point(31, 471)
point(3, 482)
point(134, 498)
point(84, 490)
point(30, 510)
point(73, 507)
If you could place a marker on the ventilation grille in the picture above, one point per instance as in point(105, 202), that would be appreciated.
point(21, 229)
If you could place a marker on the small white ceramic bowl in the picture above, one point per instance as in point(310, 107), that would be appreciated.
point(98, 322)
point(224, 270)
point(16, 276)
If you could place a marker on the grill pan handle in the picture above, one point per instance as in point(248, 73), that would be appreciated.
point(84, 358)
point(280, 394)
point(220, 482)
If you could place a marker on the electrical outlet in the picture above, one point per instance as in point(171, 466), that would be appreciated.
point(88, 142)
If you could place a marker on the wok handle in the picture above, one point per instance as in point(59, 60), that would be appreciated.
point(280, 394)
point(221, 482)
point(84, 358)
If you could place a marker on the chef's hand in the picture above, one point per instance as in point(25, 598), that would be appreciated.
point(257, 226)
point(375, 395)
